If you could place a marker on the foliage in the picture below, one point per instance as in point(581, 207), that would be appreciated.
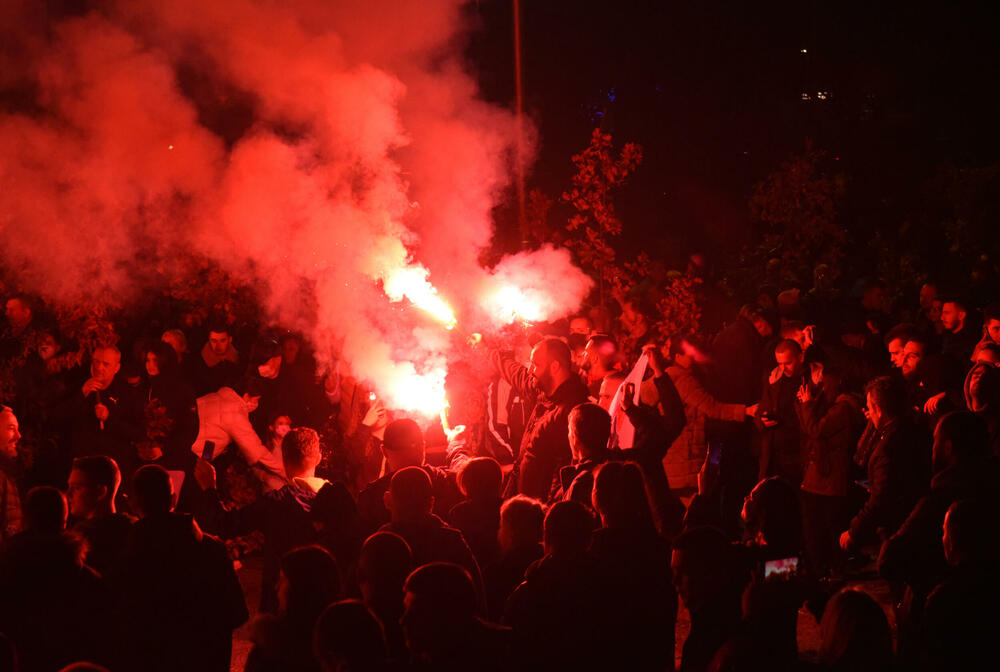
point(595, 224)
point(680, 312)
point(796, 207)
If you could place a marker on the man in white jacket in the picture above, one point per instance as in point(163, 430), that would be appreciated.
point(223, 416)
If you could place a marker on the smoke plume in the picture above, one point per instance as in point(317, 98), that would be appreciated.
point(314, 149)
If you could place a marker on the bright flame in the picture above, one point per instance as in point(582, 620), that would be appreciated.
point(420, 393)
point(510, 303)
point(411, 282)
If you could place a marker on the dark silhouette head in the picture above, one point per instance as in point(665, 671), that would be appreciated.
point(384, 564)
point(45, 510)
point(410, 494)
point(403, 444)
point(348, 638)
point(620, 497)
point(521, 522)
point(481, 479)
point(440, 605)
point(152, 492)
point(568, 526)
point(589, 431)
point(960, 439)
point(310, 580)
point(854, 633)
point(772, 510)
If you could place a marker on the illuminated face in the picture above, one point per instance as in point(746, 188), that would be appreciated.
point(580, 325)
point(104, 365)
point(82, 495)
point(541, 369)
point(788, 362)
point(993, 330)
point(152, 364)
point(219, 342)
point(9, 434)
point(874, 412)
point(47, 347)
point(609, 387)
point(952, 316)
point(913, 352)
point(281, 426)
point(896, 346)
point(18, 313)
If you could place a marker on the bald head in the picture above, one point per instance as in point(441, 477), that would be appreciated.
point(410, 495)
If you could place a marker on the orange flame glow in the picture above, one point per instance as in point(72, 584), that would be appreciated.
point(411, 282)
point(509, 303)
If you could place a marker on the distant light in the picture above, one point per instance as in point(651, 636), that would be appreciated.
point(806, 96)
point(822, 95)
point(170, 146)
point(803, 51)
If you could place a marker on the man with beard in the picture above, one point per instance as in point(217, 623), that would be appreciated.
point(544, 444)
point(600, 358)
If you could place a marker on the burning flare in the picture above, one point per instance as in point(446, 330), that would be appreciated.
point(509, 303)
point(411, 282)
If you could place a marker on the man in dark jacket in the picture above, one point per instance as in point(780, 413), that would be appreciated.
point(410, 499)
point(589, 431)
point(962, 620)
point(93, 486)
point(100, 423)
point(403, 446)
point(914, 555)
point(544, 445)
point(781, 441)
point(442, 630)
point(898, 465)
point(179, 598)
point(53, 606)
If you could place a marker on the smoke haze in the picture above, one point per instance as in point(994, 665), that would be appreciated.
point(310, 148)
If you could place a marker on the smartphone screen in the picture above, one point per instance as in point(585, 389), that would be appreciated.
point(781, 570)
point(714, 453)
point(208, 452)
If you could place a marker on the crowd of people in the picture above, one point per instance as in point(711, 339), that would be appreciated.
point(604, 477)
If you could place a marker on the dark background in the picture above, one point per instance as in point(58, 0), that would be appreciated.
point(714, 93)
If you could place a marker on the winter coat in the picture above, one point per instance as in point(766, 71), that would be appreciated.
point(687, 452)
point(831, 431)
point(180, 599)
point(545, 442)
point(898, 474)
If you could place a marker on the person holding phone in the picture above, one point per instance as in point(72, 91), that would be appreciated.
point(687, 452)
point(777, 421)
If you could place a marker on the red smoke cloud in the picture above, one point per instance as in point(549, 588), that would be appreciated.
point(311, 148)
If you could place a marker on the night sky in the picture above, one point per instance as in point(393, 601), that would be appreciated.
point(714, 92)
